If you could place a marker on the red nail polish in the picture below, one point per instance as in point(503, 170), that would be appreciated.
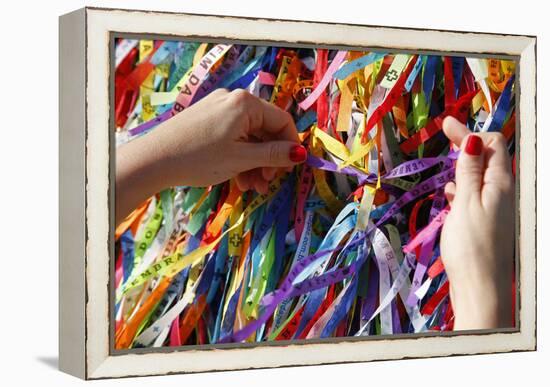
point(297, 154)
point(474, 145)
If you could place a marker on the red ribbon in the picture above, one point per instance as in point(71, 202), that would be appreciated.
point(390, 100)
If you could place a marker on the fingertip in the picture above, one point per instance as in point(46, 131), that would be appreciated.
point(261, 186)
point(273, 154)
point(474, 145)
point(449, 121)
point(470, 168)
point(242, 182)
point(297, 154)
point(454, 130)
point(268, 173)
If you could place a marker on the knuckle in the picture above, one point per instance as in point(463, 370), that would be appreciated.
point(507, 184)
point(287, 117)
point(466, 168)
point(220, 91)
point(499, 139)
point(275, 152)
point(239, 97)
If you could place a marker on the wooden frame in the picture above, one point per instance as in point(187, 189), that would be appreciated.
point(86, 191)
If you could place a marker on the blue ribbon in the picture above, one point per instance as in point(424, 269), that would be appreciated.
point(127, 246)
point(502, 107)
point(428, 81)
point(357, 64)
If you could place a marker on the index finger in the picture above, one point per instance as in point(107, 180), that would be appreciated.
point(269, 122)
point(497, 152)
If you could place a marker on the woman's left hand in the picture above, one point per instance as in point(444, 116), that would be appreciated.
point(224, 135)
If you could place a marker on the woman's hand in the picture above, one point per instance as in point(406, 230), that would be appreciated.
point(225, 135)
point(477, 240)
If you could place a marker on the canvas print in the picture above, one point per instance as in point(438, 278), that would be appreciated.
point(272, 193)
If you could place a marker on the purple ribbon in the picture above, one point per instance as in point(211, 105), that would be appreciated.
point(316, 162)
point(151, 123)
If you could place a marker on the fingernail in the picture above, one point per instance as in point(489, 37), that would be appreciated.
point(474, 145)
point(297, 154)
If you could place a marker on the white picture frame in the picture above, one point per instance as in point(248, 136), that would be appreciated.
point(86, 189)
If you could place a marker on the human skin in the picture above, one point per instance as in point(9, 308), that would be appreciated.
point(234, 134)
point(477, 240)
point(224, 135)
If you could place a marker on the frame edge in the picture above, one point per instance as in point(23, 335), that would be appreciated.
point(72, 183)
point(525, 342)
point(528, 194)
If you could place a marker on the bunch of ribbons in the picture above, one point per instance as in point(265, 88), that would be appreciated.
point(347, 244)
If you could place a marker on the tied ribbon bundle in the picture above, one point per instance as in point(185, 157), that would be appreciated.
point(347, 244)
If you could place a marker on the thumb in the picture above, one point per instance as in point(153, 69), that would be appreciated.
point(272, 154)
point(470, 168)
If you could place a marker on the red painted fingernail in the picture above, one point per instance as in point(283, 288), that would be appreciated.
point(474, 145)
point(297, 154)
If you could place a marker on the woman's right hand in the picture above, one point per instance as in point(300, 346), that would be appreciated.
point(477, 240)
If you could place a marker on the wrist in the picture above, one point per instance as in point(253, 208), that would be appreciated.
point(481, 306)
point(170, 153)
point(141, 171)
